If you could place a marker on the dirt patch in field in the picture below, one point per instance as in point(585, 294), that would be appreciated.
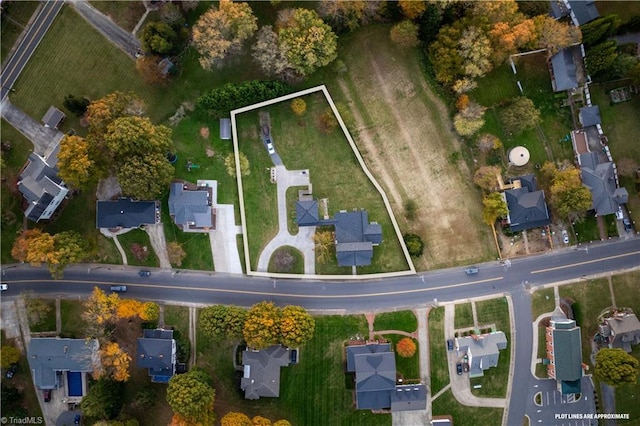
point(404, 133)
point(204, 132)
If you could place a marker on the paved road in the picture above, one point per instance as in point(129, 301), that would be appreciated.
point(34, 34)
point(122, 39)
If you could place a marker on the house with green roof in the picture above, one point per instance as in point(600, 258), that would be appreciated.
point(564, 352)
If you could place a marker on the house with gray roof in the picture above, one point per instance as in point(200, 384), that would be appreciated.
point(261, 371)
point(564, 352)
point(621, 330)
point(53, 117)
point(126, 213)
point(41, 187)
point(566, 69)
point(580, 11)
point(589, 116)
point(49, 357)
point(355, 238)
point(374, 365)
point(307, 212)
point(157, 353)
point(602, 181)
point(191, 206)
point(483, 351)
point(527, 205)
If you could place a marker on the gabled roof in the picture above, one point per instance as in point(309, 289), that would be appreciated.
point(484, 349)
point(375, 380)
point(409, 398)
point(372, 348)
point(187, 206)
point(307, 213)
point(527, 209)
point(567, 348)
point(126, 213)
point(564, 69)
point(157, 352)
point(40, 185)
point(600, 179)
point(48, 355)
point(355, 237)
point(590, 116)
point(53, 117)
point(583, 11)
point(262, 371)
point(625, 329)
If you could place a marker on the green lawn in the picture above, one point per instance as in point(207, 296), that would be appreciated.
point(138, 236)
point(401, 320)
point(73, 326)
point(495, 380)
point(627, 396)
point(302, 145)
point(48, 322)
point(438, 351)
point(625, 290)
point(587, 230)
point(15, 16)
point(542, 301)
point(462, 415)
point(124, 13)
point(297, 263)
point(464, 316)
point(327, 398)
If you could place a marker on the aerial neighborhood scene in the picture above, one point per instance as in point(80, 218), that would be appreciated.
point(330, 212)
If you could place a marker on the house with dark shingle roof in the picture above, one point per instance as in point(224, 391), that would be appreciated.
point(580, 11)
point(565, 74)
point(126, 213)
point(590, 116)
point(53, 117)
point(157, 352)
point(374, 366)
point(621, 330)
point(355, 238)
point(191, 206)
point(527, 205)
point(307, 212)
point(483, 351)
point(564, 352)
point(49, 357)
point(261, 371)
point(41, 187)
point(601, 179)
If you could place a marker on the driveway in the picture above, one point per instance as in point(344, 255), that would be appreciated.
point(224, 243)
point(44, 139)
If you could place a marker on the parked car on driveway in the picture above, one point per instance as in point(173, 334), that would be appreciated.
point(565, 236)
point(11, 371)
point(472, 270)
point(47, 395)
point(144, 273)
point(627, 224)
point(270, 149)
point(119, 288)
point(450, 344)
point(459, 368)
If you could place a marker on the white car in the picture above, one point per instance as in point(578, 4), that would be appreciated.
point(565, 237)
point(4, 287)
point(270, 149)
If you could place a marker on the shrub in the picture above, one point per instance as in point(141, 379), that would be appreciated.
point(414, 243)
point(406, 347)
point(298, 106)
point(231, 96)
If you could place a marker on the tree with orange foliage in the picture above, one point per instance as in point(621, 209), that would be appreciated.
point(406, 347)
point(128, 308)
point(234, 418)
point(149, 69)
point(115, 362)
point(412, 9)
point(462, 102)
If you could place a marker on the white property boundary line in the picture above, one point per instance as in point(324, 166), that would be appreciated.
point(245, 240)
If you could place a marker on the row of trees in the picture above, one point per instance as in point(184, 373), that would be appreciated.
point(231, 96)
point(56, 251)
point(261, 326)
point(234, 418)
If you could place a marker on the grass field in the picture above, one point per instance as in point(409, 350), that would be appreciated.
point(624, 289)
point(302, 145)
point(587, 230)
point(463, 316)
point(542, 301)
point(627, 395)
point(401, 320)
point(15, 16)
point(326, 398)
point(73, 326)
point(138, 236)
point(462, 415)
point(403, 131)
point(124, 13)
point(48, 322)
point(438, 351)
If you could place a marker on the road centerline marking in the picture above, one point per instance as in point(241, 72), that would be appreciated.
point(586, 262)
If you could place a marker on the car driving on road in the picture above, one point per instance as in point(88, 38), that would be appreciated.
point(471, 270)
point(144, 273)
point(119, 288)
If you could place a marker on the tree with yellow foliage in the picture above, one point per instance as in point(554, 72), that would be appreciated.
point(260, 421)
point(115, 362)
point(150, 311)
point(74, 164)
point(100, 307)
point(261, 327)
point(234, 418)
point(412, 9)
point(296, 326)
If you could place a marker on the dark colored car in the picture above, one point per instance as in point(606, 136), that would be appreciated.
point(76, 419)
point(472, 270)
point(627, 224)
point(47, 395)
point(450, 344)
point(465, 367)
point(459, 368)
point(12, 370)
point(119, 288)
point(144, 273)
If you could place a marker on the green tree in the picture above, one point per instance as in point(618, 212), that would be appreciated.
point(9, 355)
point(615, 367)
point(405, 34)
point(104, 399)
point(520, 115)
point(414, 244)
point(568, 195)
point(76, 106)
point(191, 396)
point(261, 327)
point(601, 57)
point(223, 321)
point(296, 326)
point(131, 136)
point(74, 164)
point(220, 32)
point(234, 418)
point(494, 207)
point(599, 29)
point(309, 43)
point(231, 96)
point(449, 66)
point(70, 247)
point(158, 38)
point(145, 178)
point(150, 311)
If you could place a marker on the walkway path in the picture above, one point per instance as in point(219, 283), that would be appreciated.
point(109, 234)
point(303, 240)
point(44, 139)
point(159, 243)
point(192, 336)
point(122, 39)
point(474, 314)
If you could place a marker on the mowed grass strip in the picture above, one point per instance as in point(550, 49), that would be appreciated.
point(73, 326)
point(401, 320)
point(438, 348)
point(542, 301)
point(463, 316)
point(463, 415)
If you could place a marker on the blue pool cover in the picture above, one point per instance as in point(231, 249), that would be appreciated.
point(75, 383)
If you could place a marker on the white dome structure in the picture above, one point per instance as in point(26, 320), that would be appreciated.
point(519, 156)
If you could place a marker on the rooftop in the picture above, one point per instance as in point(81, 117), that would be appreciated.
point(261, 376)
point(48, 355)
point(126, 213)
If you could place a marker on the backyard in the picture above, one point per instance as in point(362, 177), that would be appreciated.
point(303, 145)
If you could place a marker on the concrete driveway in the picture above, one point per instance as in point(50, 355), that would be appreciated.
point(224, 245)
point(44, 139)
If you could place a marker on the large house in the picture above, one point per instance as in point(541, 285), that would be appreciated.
point(126, 213)
point(191, 206)
point(157, 352)
point(580, 11)
point(620, 330)
point(41, 187)
point(261, 371)
point(374, 365)
point(526, 203)
point(601, 179)
point(567, 69)
point(483, 351)
point(564, 352)
point(58, 363)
